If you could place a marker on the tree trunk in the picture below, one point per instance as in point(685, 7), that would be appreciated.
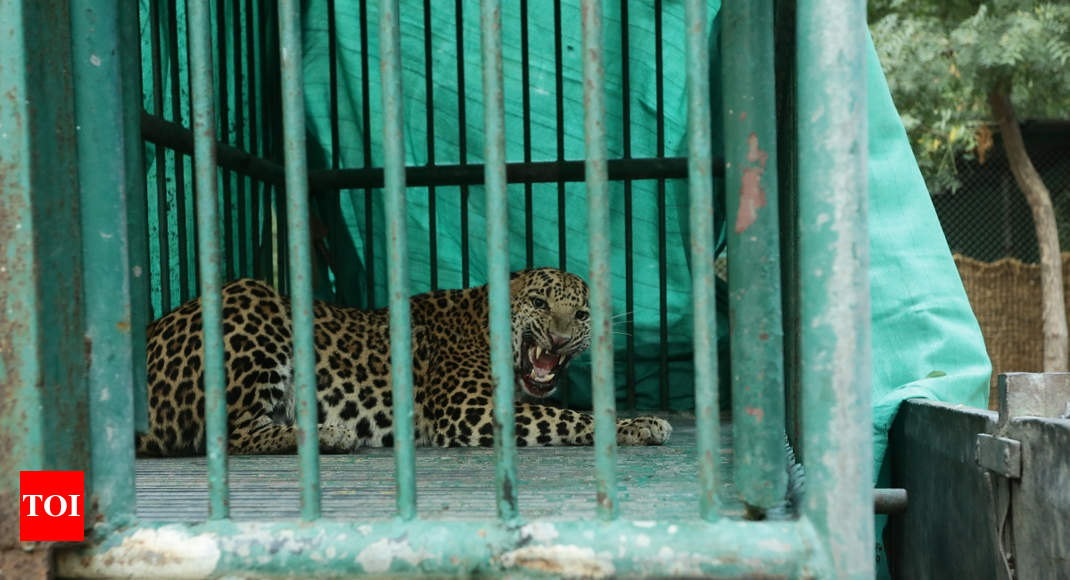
point(1036, 193)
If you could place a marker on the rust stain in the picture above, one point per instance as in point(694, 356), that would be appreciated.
point(754, 154)
point(757, 412)
point(751, 195)
point(14, 327)
point(603, 499)
point(123, 326)
point(763, 336)
point(743, 116)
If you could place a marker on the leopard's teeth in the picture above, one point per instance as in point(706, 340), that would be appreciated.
point(538, 351)
point(542, 379)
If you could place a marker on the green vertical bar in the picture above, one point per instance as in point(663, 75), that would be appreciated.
point(501, 355)
point(398, 257)
point(209, 255)
point(834, 255)
point(757, 340)
point(293, 126)
point(594, 134)
point(106, 201)
point(44, 421)
point(137, 210)
point(700, 191)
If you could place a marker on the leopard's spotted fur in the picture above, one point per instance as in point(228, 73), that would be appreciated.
point(451, 371)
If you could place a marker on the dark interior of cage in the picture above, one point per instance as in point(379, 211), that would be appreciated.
point(542, 65)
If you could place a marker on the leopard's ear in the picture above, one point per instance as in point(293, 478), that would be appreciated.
point(514, 275)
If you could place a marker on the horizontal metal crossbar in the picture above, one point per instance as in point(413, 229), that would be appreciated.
point(176, 137)
point(583, 548)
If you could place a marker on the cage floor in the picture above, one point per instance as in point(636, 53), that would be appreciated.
point(452, 484)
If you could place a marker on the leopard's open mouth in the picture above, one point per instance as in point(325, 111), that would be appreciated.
point(539, 368)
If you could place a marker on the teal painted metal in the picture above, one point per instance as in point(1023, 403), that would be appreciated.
point(105, 197)
point(398, 263)
point(293, 122)
point(700, 192)
point(44, 420)
point(501, 355)
point(601, 299)
point(136, 207)
point(209, 254)
point(726, 548)
point(757, 339)
point(837, 425)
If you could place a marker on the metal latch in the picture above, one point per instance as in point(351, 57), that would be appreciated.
point(999, 454)
point(1021, 395)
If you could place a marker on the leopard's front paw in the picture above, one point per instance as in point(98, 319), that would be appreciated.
point(643, 431)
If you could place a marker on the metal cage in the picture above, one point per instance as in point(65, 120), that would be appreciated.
point(74, 403)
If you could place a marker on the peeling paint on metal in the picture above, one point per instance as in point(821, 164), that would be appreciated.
point(166, 552)
point(832, 189)
point(566, 561)
point(379, 556)
point(751, 195)
point(756, 412)
point(541, 532)
point(575, 548)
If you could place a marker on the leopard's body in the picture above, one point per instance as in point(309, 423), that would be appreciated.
point(452, 385)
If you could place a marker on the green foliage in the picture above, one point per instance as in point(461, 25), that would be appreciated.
point(943, 59)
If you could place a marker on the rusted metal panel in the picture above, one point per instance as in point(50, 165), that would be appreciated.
point(44, 419)
point(951, 527)
point(23, 564)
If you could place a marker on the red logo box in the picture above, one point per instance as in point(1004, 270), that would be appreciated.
point(51, 506)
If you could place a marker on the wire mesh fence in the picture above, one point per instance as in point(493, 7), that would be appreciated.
point(990, 230)
point(987, 218)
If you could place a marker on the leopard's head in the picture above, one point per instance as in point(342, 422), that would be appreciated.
point(551, 326)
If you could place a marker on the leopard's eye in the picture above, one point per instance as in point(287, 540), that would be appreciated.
point(582, 315)
point(539, 303)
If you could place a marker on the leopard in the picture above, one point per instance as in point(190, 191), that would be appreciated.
point(453, 385)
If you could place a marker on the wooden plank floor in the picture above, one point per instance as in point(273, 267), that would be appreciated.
point(452, 484)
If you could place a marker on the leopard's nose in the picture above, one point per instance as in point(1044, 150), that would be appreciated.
point(559, 339)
